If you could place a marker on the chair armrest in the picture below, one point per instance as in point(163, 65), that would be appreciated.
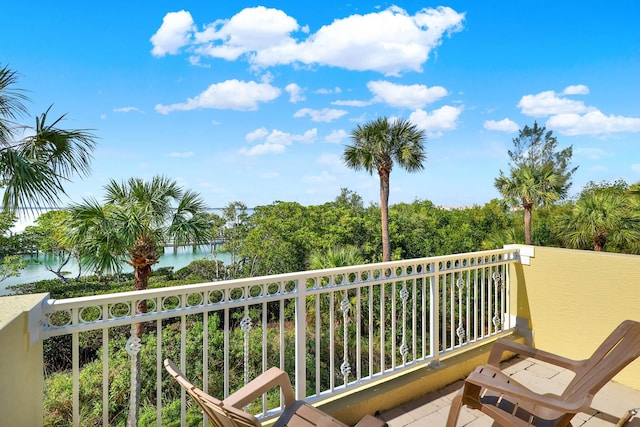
point(522, 394)
point(264, 382)
point(501, 345)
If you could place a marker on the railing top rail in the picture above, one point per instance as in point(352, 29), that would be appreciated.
point(216, 295)
point(276, 278)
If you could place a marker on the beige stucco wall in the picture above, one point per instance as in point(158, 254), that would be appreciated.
point(574, 299)
point(21, 369)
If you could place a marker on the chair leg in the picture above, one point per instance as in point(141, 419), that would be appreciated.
point(454, 411)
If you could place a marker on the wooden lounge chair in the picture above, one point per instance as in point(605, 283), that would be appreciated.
point(229, 413)
point(511, 404)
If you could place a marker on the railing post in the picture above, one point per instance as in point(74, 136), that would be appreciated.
point(301, 340)
point(434, 313)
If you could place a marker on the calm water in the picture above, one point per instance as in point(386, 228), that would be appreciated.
point(179, 258)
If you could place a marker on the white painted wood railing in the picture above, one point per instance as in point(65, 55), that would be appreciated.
point(397, 315)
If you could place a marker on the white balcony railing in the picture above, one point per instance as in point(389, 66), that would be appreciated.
point(331, 330)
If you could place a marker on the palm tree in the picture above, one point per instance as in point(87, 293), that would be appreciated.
point(340, 256)
point(376, 146)
point(601, 217)
point(528, 186)
point(35, 161)
point(539, 174)
point(135, 220)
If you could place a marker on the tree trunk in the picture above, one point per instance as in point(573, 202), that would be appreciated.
point(384, 213)
point(527, 224)
point(600, 240)
point(141, 275)
point(143, 256)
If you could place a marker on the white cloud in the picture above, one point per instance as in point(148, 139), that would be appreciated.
point(230, 94)
point(407, 96)
point(277, 136)
point(576, 90)
point(127, 110)
point(260, 149)
point(295, 93)
point(183, 154)
point(275, 141)
point(635, 167)
point(174, 33)
point(592, 123)
point(504, 125)
point(352, 103)
point(250, 31)
point(325, 115)
point(444, 118)
point(329, 91)
point(548, 103)
point(336, 136)
point(389, 41)
point(257, 135)
point(570, 117)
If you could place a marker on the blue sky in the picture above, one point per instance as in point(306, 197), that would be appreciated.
point(254, 101)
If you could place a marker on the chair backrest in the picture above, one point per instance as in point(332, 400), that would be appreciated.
point(617, 351)
point(219, 414)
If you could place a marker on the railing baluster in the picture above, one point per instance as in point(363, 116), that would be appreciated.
point(265, 350)
point(105, 373)
point(159, 369)
point(205, 356)
point(318, 329)
point(183, 366)
point(483, 308)
point(394, 326)
point(452, 310)
point(332, 341)
point(225, 363)
point(358, 316)
point(75, 368)
point(370, 330)
point(301, 339)
point(434, 324)
point(382, 329)
point(414, 320)
point(345, 368)
point(404, 297)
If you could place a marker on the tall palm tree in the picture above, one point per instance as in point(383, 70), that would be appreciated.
point(135, 220)
point(377, 145)
point(35, 161)
point(599, 218)
point(528, 186)
point(539, 173)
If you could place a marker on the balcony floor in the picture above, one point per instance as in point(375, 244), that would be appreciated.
point(608, 406)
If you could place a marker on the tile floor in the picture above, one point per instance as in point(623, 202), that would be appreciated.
point(431, 410)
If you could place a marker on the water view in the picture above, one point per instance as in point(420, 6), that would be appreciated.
point(180, 257)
